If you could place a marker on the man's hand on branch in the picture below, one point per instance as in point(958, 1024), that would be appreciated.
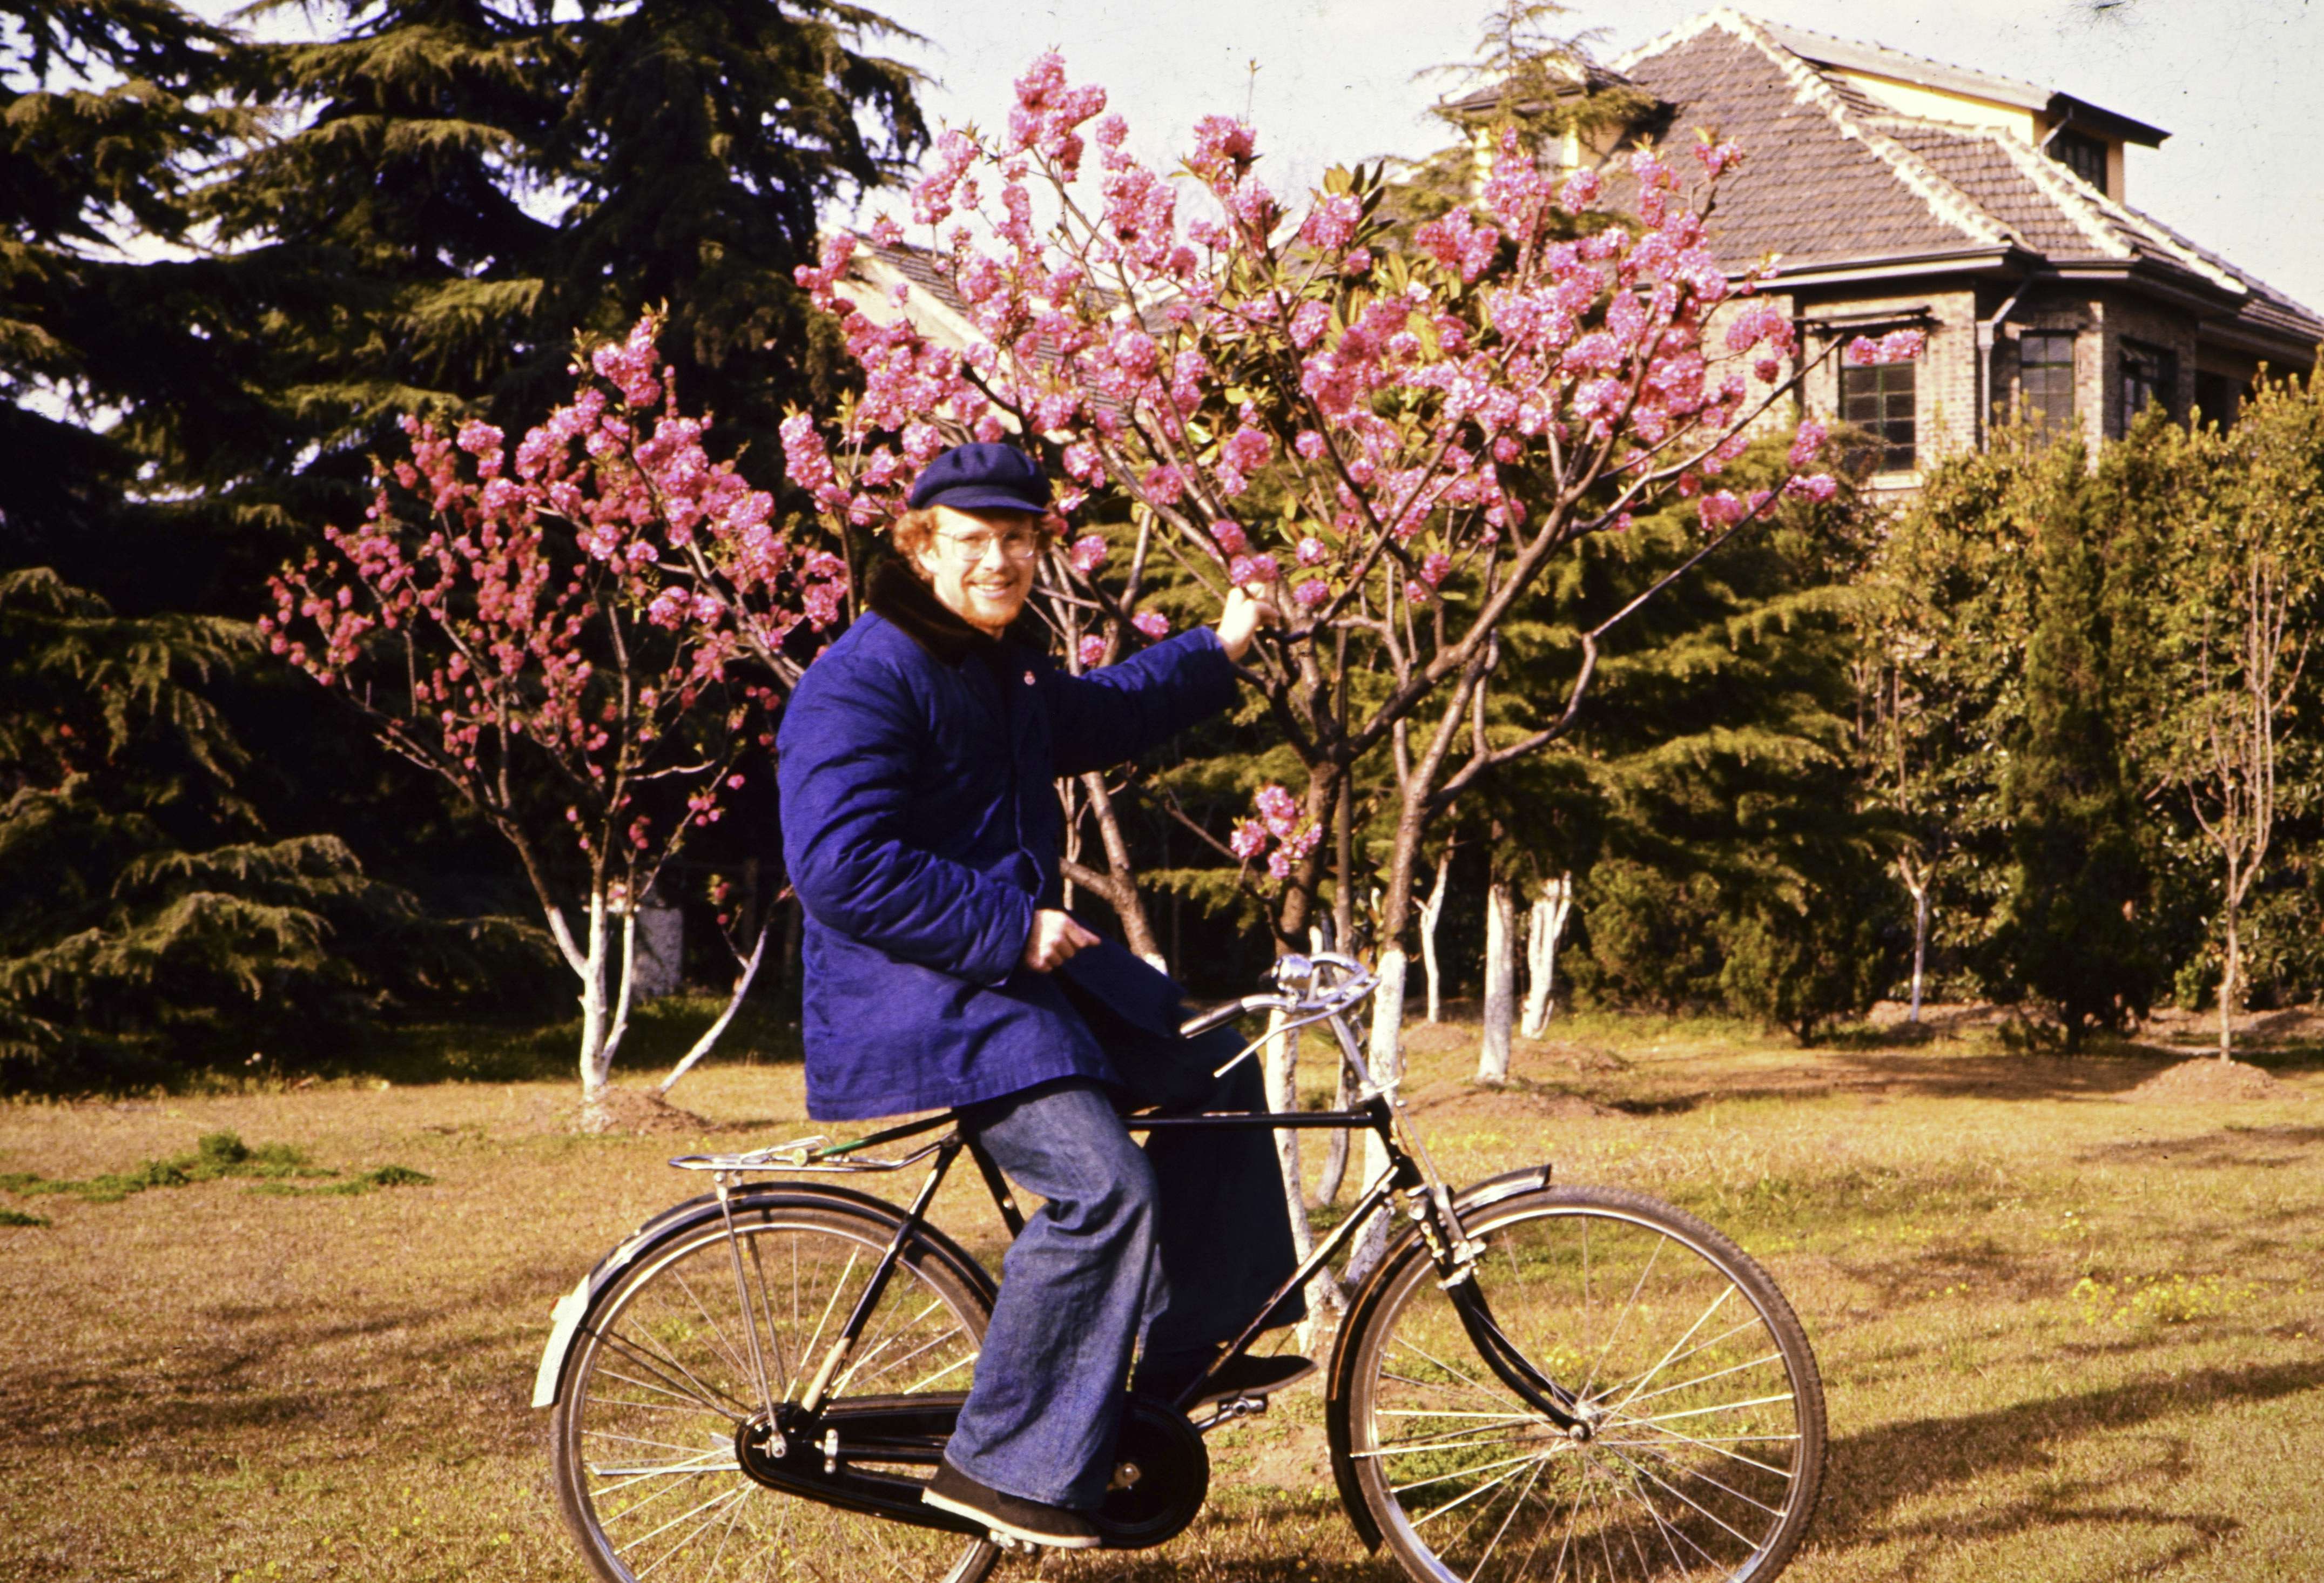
point(1246, 611)
point(1055, 940)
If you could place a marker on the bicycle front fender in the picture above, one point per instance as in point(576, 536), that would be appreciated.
point(571, 1314)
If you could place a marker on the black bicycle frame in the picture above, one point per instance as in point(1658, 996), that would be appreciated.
point(1440, 1232)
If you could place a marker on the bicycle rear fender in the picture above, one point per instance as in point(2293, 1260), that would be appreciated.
point(1339, 1375)
point(573, 1309)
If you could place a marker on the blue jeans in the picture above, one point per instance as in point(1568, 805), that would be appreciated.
point(1179, 1242)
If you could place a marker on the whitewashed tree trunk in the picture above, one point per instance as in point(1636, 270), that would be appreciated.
point(596, 1066)
point(1916, 878)
point(1432, 909)
point(2231, 972)
point(1500, 983)
point(1384, 1055)
point(1280, 1061)
point(749, 970)
point(1550, 909)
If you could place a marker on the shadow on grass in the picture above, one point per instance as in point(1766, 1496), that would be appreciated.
point(1869, 1474)
point(1890, 1073)
point(526, 1050)
point(2228, 1146)
point(341, 1374)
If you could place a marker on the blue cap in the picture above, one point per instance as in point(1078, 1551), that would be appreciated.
point(982, 477)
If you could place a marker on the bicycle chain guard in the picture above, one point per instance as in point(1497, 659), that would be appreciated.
point(1161, 1469)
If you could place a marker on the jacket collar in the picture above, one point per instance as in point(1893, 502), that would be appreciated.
point(906, 601)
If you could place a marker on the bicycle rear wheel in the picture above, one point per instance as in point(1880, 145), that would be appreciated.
point(1704, 1446)
point(644, 1432)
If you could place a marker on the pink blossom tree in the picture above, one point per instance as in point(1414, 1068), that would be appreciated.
point(581, 638)
point(1403, 443)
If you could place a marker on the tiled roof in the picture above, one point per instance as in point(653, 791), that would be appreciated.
point(1832, 177)
point(1819, 183)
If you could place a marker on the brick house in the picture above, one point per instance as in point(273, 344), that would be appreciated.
point(1897, 191)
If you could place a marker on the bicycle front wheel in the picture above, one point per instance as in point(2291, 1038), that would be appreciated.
point(1703, 1435)
point(665, 1373)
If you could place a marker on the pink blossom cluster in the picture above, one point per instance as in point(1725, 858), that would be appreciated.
point(1896, 346)
point(506, 578)
point(1184, 344)
point(1283, 833)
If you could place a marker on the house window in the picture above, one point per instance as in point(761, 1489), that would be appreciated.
point(2149, 373)
point(2046, 381)
point(2217, 396)
point(1878, 399)
point(2085, 156)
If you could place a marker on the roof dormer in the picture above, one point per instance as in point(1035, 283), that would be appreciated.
point(2085, 138)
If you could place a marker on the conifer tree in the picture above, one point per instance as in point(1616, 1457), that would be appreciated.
point(108, 363)
point(2069, 929)
point(146, 920)
point(1727, 860)
point(460, 186)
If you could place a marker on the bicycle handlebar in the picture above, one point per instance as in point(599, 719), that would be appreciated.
point(1304, 992)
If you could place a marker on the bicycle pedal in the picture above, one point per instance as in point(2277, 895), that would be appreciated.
point(1226, 1409)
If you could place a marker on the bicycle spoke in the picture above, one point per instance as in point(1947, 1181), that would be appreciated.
point(814, 1343)
point(1724, 1293)
point(1463, 1500)
point(774, 1330)
point(697, 1404)
point(1466, 1472)
point(703, 1393)
point(724, 1348)
point(895, 1364)
point(885, 1338)
point(1752, 1323)
point(1475, 1389)
point(732, 1500)
point(1681, 1495)
point(1699, 1412)
point(1478, 1571)
point(734, 1515)
point(623, 1477)
point(1672, 1434)
point(1623, 1318)
point(927, 1380)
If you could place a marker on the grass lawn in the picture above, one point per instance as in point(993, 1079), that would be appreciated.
point(2063, 1336)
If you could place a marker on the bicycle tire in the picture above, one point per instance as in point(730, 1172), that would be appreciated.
point(643, 1433)
point(1638, 1303)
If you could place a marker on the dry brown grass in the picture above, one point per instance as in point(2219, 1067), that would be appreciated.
point(2064, 1338)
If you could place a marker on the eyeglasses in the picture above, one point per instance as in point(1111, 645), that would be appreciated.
point(973, 548)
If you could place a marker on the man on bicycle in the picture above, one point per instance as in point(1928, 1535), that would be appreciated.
point(917, 759)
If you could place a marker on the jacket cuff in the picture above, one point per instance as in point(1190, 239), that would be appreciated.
point(1208, 667)
point(1003, 945)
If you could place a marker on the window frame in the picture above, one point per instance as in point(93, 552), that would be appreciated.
point(2082, 154)
point(2162, 386)
point(2040, 415)
point(1895, 454)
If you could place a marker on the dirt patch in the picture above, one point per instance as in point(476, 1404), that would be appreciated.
point(642, 1113)
point(2209, 1078)
point(1520, 1098)
point(1578, 1057)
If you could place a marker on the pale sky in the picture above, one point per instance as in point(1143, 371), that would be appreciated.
point(2233, 80)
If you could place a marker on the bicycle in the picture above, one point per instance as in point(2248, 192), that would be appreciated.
point(757, 1381)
